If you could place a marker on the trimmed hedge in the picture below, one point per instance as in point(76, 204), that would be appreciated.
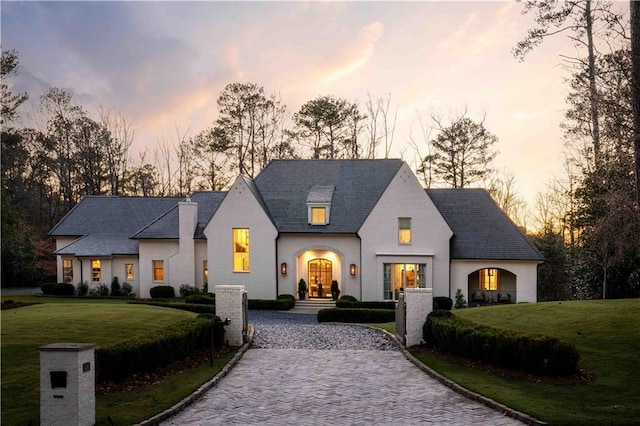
point(440, 302)
point(191, 307)
point(47, 288)
point(348, 304)
point(272, 305)
point(348, 297)
point(287, 297)
point(535, 354)
point(202, 299)
point(154, 350)
point(356, 315)
point(162, 292)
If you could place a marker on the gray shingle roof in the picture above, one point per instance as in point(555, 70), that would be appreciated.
point(167, 225)
point(285, 185)
point(481, 229)
point(106, 223)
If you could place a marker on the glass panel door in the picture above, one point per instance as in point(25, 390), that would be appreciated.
point(320, 275)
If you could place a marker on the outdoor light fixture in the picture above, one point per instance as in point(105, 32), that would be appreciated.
point(352, 269)
point(283, 268)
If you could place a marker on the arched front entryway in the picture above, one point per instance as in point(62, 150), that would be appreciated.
point(491, 285)
point(319, 267)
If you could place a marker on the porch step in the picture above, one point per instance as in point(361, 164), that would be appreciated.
point(312, 306)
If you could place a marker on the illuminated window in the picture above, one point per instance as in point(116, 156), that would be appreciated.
point(488, 279)
point(96, 271)
point(399, 276)
point(241, 249)
point(128, 271)
point(158, 270)
point(67, 270)
point(404, 230)
point(205, 266)
point(318, 216)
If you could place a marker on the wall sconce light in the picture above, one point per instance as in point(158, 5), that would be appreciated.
point(283, 268)
point(352, 269)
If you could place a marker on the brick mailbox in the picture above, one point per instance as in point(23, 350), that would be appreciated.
point(67, 384)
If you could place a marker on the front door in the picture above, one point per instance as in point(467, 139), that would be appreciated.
point(320, 276)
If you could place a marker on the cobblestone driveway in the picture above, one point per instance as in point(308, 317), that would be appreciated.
point(336, 385)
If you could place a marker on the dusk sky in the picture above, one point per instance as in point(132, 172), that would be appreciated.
point(163, 64)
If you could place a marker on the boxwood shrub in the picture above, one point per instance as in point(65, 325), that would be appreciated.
point(273, 305)
point(348, 304)
point(64, 289)
point(359, 315)
point(287, 297)
point(202, 299)
point(153, 350)
point(348, 297)
point(440, 302)
point(199, 308)
point(162, 292)
point(533, 353)
point(47, 288)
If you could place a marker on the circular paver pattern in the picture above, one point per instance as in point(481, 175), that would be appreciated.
point(299, 372)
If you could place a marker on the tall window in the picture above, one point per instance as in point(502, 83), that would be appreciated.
point(205, 267)
point(488, 279)
point(320, 277)
point(67, 270)
point(318, 215)
point(404, 230)
point(96, 271)
point(158, 270)
point(240, 249)
point(399, 276)
point(128, 271)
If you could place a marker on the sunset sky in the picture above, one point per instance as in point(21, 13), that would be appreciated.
point(163, 64)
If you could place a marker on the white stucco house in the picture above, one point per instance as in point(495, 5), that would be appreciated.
point(368, 224)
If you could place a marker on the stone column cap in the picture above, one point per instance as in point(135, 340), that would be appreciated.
point(67, 347)
point(229, 287)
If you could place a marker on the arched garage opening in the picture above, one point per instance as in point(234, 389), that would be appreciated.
point(491, 285)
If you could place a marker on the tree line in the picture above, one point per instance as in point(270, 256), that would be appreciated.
point(588, 222)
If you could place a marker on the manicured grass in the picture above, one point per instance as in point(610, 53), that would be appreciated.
point(607, 335)
point(389, 326)
point(25, 329)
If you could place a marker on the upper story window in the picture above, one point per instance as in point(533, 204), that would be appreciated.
point(404, 230)
point(96, 271)
point(319, 204)
point(241, 249)
point(318, 215)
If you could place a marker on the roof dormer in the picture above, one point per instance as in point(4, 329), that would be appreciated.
point(319, 204)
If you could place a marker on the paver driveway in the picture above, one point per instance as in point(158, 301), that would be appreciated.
point(331, 387)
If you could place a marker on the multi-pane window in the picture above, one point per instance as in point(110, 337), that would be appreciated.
point(318, 215)
point(158, 270)
point(400, 276)
point(205, 268)
point(96, 271)
point(488, 279)
point(404, 230)
point(240, 249)
point(128, 271)
point(67, 270)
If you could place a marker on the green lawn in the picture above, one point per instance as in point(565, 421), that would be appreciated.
point(607, 335)
point(103, 322)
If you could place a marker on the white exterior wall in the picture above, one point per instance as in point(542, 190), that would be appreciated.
point(201, 256)
point(60, 243)
point(149, 251)
point(182, 264)
point(526, 273)
point(298, 249)
point(240, 209)
point(430, 237)
point(118, 270)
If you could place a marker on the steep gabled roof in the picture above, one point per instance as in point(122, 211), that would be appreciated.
point(167, 226)
point(285, 186)
point(101, 215)
point(481, 229)
point(106, 223)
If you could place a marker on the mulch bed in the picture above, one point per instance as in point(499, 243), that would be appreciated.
point(581, 378)
point(10, 304)
point(151, 378)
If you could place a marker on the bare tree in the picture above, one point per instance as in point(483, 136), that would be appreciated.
point(635, 87)
point(380, 126)
point(502, 188)
point(117, 150)
point(10, 101)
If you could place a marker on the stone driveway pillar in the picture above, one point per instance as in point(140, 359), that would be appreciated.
point(230, 306)
point(419, 305)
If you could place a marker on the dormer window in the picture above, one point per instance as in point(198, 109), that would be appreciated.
point(319, 204)
point(318, 215)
